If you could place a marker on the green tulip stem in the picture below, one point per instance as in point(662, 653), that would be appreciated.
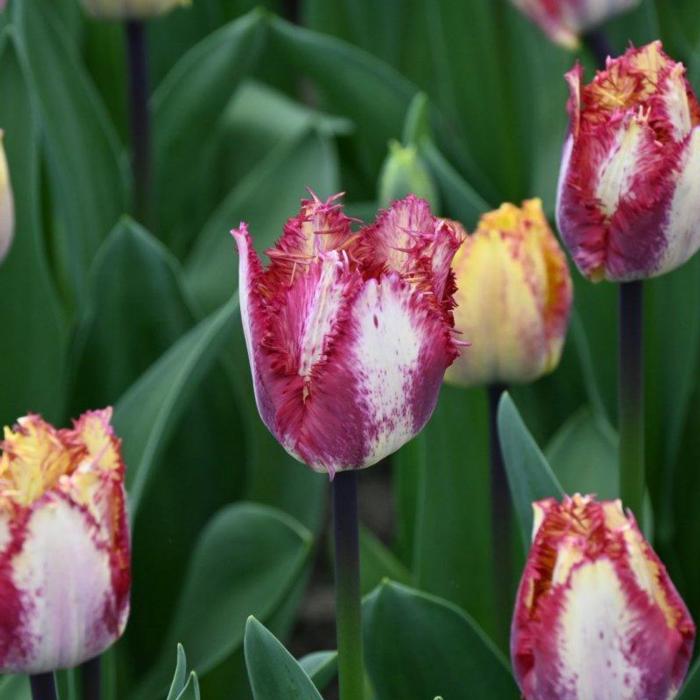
point(347, 586)
point(43, 686)
point(91, 677)
point(137, 54)
point(631, 396)
point(501, 517)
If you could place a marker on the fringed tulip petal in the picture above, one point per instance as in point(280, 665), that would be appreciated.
point(564, 21)
point(64, 544)
point(596, 615)
point(513, 299)
point(627, 205)
point(349, 332)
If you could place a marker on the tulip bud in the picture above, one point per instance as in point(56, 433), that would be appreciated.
point(629, 189)
point(131, 9)
point(513, 298)
point(7, 209)
point(597, 615)
point(349, 332)
point(64, 543)
point(564, 21)
point(404, 173)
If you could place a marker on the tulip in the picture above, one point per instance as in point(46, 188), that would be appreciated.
point(7, 209)
point(64, 543)
point(403, 173)
point(597, 616)
point(629, 193)
point(131, 9)
point(564, 21)
point(349, 333)
point(513, 298)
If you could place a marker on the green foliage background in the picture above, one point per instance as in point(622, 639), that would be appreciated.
point(248, 110)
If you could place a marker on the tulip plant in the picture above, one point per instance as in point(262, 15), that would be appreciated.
point(375, 447)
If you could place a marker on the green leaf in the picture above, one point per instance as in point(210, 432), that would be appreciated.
point(145, 417)
point(417, 645)
point(32, 319)
point(529, 475)
point(15, 687)
point(86, 165)
point(354, 83)
point(321, 667)
point(378, 563)
point(265, 200)
point(462, 202)
point(453, 495)
point(272, 670)
point(246, 561)
point(691, 689)
point(192, 95)
point(583, 455)
point(180, 675)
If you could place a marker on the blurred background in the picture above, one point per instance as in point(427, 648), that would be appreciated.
point(251, 104)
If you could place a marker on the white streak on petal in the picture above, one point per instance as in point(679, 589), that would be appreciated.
point(676, 102)
point(563, 175)
point(620, 167)
point(683, 230)
point(64, 580)
point(387, 351)
point(594, 636)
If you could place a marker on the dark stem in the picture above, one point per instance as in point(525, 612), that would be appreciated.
point(91, 679)
point(631, 396)
point(347, 586)
point(501, 516)
point(599, 45)
point(43, 686)
point(139, 117)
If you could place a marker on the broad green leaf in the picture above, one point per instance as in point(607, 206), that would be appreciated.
point(272, 670)
point(417, 645)
point(15, 687)
point(86, 165)
point(32, 319)
point(186, 108)
point(321, 667)
point(691, 689)
point(354, 83)
point(529, 475)
point(265, 199)
point(246, 561)
point(453, 495)
point(378, 563)
point(125, 328)
point(583, 455)
point(148, 412)
point(462, 202)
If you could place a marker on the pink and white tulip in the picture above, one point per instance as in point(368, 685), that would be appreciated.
point(564, 21)
point(629, 190)
point(349, 332)
point(597, 616)
point(65, 571)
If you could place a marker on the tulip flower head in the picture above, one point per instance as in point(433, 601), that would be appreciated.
point(131, 9)
point(596, 615)
point(563, 21)
point(513, 298)
point(64, 543)
point(7, 208)
point(629, 189)
point(349, 332)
